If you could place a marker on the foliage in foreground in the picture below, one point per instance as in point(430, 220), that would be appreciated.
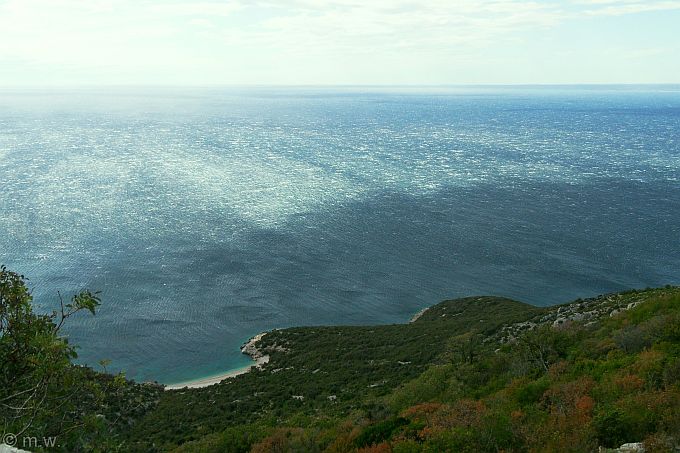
point(44, 398)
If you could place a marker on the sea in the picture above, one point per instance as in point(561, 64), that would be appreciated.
point(207, 215)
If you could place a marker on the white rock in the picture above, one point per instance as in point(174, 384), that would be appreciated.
point(634, 447)
point(578, 317)
point(559, 322)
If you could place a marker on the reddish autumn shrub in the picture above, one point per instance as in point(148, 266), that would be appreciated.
point(628, 383)
point(463, 414)
point(562, 398)
point(421, 411)
point(380, 448)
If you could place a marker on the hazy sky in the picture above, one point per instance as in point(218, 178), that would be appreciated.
point(180, 42)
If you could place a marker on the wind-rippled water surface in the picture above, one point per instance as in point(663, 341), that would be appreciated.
point(207, 216)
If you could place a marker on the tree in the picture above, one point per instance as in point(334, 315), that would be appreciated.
point(36, 375)
point(543, 347)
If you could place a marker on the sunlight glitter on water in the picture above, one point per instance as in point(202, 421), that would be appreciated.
point(207, 217)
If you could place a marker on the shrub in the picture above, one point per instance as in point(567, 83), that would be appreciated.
point(611, 428)
point(532, 392)
point(632, 339)
point(379, 432)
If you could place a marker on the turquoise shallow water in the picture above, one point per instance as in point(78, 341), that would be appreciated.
point(207, 216)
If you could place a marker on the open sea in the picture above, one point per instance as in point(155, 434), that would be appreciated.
point(205, 216)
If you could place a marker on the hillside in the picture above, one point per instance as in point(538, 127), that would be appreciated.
point(471, 374)
point(403, 387)
point(325, 370)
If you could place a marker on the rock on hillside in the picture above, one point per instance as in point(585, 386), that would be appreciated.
point(585, 311)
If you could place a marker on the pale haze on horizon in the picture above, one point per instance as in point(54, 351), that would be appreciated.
point(337, 42)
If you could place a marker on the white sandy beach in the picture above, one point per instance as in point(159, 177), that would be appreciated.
point(211, 380)
point(415, 317)
point(249, 348)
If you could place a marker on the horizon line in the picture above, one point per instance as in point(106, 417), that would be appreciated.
point(340, 85)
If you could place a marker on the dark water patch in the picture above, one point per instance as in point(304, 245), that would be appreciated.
point(379, 261)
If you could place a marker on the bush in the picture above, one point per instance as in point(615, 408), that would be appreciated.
point(379, 432)
point(611, 428)
point(632, 339)
point(532, 392)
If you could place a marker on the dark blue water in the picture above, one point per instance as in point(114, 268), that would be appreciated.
point(207, 216)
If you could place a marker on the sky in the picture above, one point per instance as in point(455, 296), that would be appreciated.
point(337, 42)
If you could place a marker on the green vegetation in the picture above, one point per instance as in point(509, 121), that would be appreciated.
point(473, 374)
point(42, 395)
point(336, 370)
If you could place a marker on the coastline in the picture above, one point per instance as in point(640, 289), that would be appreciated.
point(415, 317)
point(249, 348)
